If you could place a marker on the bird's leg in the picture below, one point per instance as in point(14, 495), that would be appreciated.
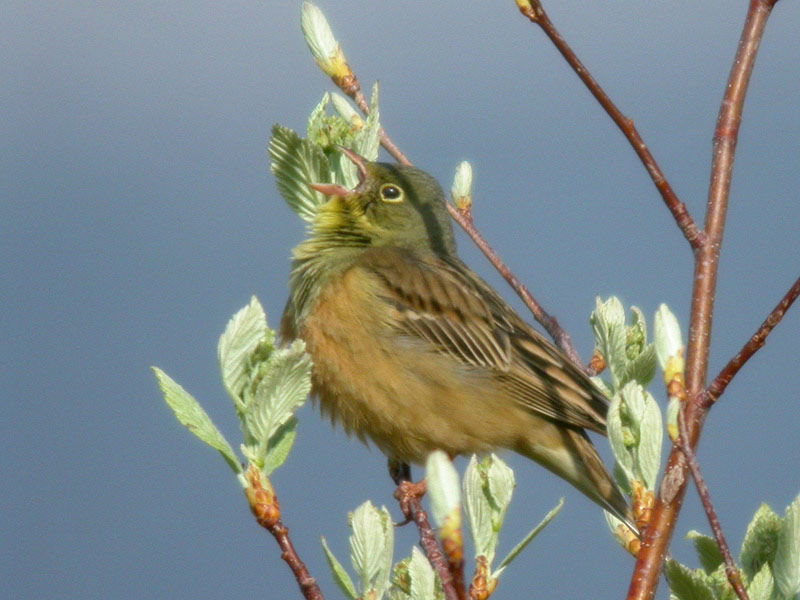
point(407, 490)
point(399, 471)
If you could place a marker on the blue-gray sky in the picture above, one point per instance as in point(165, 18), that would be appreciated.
point(137, 213)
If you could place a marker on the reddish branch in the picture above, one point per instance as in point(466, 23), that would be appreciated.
point(408, 495)
point(266, 509)
point(673, 487)
point(752, 346)
point(535, 12)
point(731, 570)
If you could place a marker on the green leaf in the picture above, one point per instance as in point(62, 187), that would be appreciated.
point(620, 439)
point(687, 584)
point(608, 323)
point(383, 580)
point(443, 487)
point(707, 550)
point(279, 445)
point(245, 332)
point(786, 564)
point(760, 540)
point(368, 544)
point(340, 576)
point(488, 486)
point(367, 141)
point(761, 586)
point(317, 118)
point(192, 415)
point(296, 163)
point(651, 435)
point(642, 369)
point(478, 511)
point(423, 579)
point(529, 538)
point(285, 382)
point(500, 482)
point(666, 334)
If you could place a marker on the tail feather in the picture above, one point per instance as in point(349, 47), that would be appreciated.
point(575, 459)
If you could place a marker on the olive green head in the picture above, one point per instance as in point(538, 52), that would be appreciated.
point(393, 205)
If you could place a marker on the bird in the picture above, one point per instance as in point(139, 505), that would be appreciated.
point(412, 350)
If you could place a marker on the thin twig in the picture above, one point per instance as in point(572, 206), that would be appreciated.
point(266, 509)
point(549, 322)
point(759, 338)
point(702, 490)
point(411, 506)
point(535, 12)
point(644, 580)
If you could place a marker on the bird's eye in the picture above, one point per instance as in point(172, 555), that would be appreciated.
point(391, 193)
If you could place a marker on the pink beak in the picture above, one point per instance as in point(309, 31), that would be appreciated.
point(333, 189)
point(330, 189)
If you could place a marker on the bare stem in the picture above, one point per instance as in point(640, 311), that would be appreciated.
point(752, 346)
point(266, 509)
point(702, 490)
point(408, 494)
point(535, 12)
point(644, 580)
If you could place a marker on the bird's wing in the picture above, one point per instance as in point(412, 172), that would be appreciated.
point(444, 303)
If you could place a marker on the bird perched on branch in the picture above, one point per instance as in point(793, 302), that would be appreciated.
point(414, 351)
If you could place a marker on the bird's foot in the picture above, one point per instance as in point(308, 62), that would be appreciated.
point(406, 493)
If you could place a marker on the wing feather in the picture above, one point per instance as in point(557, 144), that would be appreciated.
point(442, 302)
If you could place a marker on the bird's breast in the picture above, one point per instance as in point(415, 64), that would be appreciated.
point(397, 390)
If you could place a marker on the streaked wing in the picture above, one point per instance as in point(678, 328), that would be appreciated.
point(443, 302)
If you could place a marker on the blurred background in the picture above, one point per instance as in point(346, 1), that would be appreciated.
point(137, 214)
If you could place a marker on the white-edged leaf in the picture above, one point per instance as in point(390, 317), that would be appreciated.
point(367, 544)
point(317, 117)
point(283, 387)
point(651, 435)
point(686, 584)
point(367, 141)
point(246, 330)
point(762, 584)
point(643, 368)
point(608, 323)
point(296, 163)
point(279, 445)
point(707, 550)
point(666, 335)
point(189, 412)
point(383, 580)
point(339, 573)
point(443, 487)
point(760, 540)
point(423, 579)
point(478, 511)
point(786, 564)
point(619, 439)
point(344, 108)
point(528, 538)
point(613, 523)
point(319, 37)
point(462, 181)
point(500, 480)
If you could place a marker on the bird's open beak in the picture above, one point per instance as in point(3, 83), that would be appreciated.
point(358, 160)
point(330, 189)
point(333, 189)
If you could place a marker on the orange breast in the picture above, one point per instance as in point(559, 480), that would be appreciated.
point(395, 389)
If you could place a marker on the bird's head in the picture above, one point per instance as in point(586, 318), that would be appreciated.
point(392, 205)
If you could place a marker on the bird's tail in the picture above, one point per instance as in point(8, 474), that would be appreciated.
point(577, 461)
